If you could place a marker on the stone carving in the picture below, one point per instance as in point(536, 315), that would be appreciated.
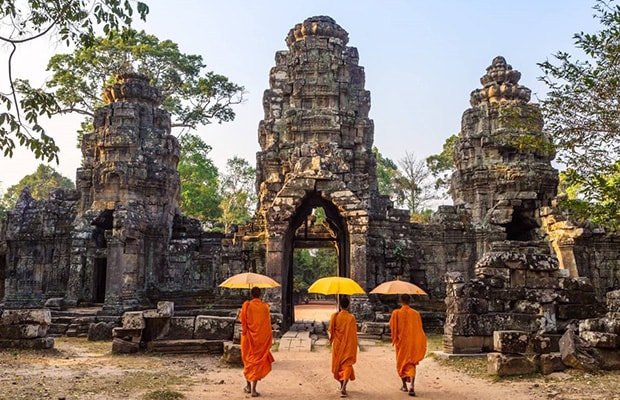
point(120, 241)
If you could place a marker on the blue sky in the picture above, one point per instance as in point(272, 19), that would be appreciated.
point(422, 59)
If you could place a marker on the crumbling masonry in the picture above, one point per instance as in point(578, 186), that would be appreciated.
point(120, 241)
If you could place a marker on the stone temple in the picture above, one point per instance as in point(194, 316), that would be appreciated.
point(502, 257)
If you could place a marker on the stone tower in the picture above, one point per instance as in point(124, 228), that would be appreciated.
point(316, 151)
point(128, 197)
point(503, 161)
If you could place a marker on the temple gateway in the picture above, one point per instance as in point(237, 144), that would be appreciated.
point(501, 257)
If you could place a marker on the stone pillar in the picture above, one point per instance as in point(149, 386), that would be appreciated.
point(114, 276)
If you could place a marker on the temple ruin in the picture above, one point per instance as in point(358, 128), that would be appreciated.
point(502, 257)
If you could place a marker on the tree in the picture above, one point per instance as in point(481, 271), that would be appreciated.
point(411, 185)
point(192, 97)
point(200, 197)
point(386, 171)
point(238, 193)
point(40, 183)
point(310, 265)
point(70, 21)
point(441, 166)
point(582, 114)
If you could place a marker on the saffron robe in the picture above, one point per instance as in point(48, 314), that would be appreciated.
point(256, 340)
point(343, 338)
point(408, 339)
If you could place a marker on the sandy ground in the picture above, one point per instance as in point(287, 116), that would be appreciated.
point(77, 369)
point(80, 370)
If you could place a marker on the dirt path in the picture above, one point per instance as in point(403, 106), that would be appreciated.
point(307, 376)
point(80, 370)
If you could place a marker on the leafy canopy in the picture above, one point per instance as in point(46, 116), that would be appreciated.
point(237, 191)
point(41, 183)
point(70, 21)
point(192, 97)
point(200, 197)
point(582, 114)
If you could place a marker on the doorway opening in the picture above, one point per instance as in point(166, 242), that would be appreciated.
point(101, 266)
point(316, 246)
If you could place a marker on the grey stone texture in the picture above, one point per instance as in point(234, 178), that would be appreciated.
point(502, 257)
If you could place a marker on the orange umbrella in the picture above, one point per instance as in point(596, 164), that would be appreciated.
point(398, 287)
point(248, 280)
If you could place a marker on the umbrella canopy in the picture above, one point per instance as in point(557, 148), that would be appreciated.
point(248, 280)
point(335, 285)
point(398, 287)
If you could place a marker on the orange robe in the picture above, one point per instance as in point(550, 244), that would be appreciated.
point(256, 339)
point(343, 338)
point(408, 339)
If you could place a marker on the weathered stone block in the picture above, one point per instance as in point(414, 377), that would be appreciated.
point(40, 343)
point(576, 311)
point(100, 331)
point(610, 359)
point(130, 335)
point(577, 353)
point(592, 324)
point(120, 346)
point(237, 334)
point(23, 331)
point(133, 320)
point(181, 328)
point(373, 328)
point(509, 364)
point(232, 354)
point(539, 345)
point(210, 327)
point(41, 316)
point(165, 309)
point(526, 307)
point(510, 341)
point(600, 339)
point(466, 305)
point(455, 344)
point(549, 363)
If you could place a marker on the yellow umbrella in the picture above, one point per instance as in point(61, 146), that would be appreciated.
point(398, 287)
point(248, 280)
point(335, 285)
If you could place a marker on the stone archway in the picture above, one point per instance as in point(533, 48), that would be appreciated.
point(346, 217)
point(300, 235)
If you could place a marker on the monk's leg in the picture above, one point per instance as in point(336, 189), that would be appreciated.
point(404, 387)
point(343, 389)
point(254, 392)
point(412, 389)
point(247, 388)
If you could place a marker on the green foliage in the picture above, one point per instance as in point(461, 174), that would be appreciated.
point(441, 166)
point(582, 114)
point(386, 171)
point(238, 194)
point(310, 265)
point(192, 97)
point(200, 197)
point(73, 22)
point(40, 183)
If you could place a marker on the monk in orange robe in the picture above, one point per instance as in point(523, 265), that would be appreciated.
point(343, 338)
point(256, 341)
point(409, 341)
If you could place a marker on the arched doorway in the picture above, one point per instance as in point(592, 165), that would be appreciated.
point(303, 232)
